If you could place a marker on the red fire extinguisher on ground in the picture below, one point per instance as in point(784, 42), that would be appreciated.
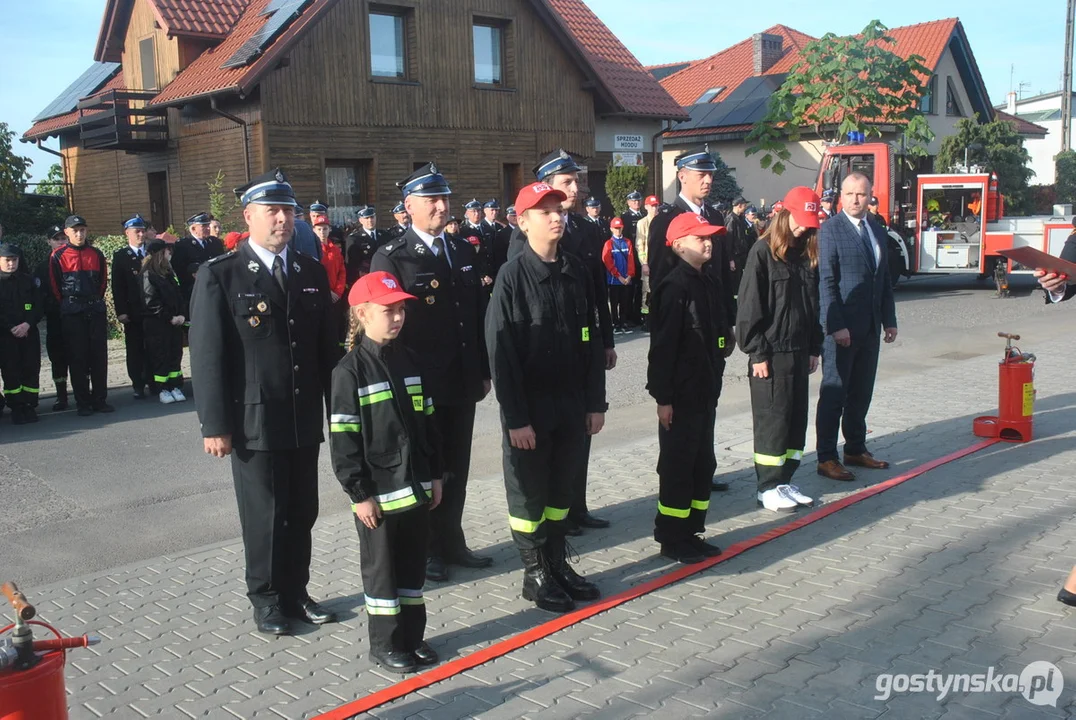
point(1016, 396)
point(32, 671)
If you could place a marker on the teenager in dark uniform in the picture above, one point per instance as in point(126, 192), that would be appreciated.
point(162, 321)
point(127, 299)
point(78, 276)
point(263, 346)
point(503, 239)
point(742, 236)
point(472, 231)
point(444, 329)
point(631, 219)
point(688, 337)
point(54, 339)
point(549, 372)
point(21, 309)
point(380, 407)
point(778, 326)
point(872, 209)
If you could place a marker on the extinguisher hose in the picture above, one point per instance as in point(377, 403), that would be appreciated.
point(78, 642)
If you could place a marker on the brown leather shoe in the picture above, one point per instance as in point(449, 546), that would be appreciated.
point(865, 460)
point(834, 471)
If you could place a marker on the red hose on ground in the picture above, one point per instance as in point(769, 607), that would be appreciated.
point(480, 657)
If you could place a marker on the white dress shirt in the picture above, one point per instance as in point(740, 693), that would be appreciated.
point(694, 208)
point(428, 239)
point(266, 257)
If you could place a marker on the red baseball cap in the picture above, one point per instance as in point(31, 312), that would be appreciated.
point(652, 200)
point(533, 194)
point(322, 220)
point(803, 203)
point(616, 223)
point(687, 223)
point(377, 287)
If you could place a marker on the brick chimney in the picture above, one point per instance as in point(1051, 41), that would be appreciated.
point(768, 49)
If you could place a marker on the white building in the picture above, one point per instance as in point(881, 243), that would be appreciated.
point(1044, 111)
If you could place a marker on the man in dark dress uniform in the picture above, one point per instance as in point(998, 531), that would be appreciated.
point(445, 330)
point(360, 245)
point(502, 240)
point(594, 214)
point(191, 251)
point(403, 221)
point(631, 219)
point(263, 345)
point(127, 299)
point(473, 231)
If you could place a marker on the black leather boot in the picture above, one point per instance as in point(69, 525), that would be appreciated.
point(577, 586)
point(540, 587)
point(61, 397)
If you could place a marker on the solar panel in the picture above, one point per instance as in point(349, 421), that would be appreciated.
point(285, 11)
point(88, 83)
point(745, 105)
point(273, 6)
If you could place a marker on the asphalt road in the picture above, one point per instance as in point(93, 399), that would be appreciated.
point(88, 494)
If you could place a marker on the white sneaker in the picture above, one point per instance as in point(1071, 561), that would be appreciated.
point(794, 493)
point(777, 499)
point(178, 395)
point(166, 398)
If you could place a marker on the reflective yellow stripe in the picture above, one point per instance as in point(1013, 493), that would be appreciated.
point(586, 334)
point(13, 391)
point(524, 526)
point(175, 374)
point(416, 402)
point(401, 503)
point(555, 514)
point(794, 455)
point(412, 601)
point(673, 512)
point(382, 606)
point(414, 389)
point(160, 378)
point(769, 460)
point(429, 406)
point(721, 343)
point(376, 398)
point(35, 391)
point(700, 504)
point(345, 427)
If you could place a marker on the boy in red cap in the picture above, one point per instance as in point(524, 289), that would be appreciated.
point(619, 263)
point(689, 334)
point(386, 452)
point(548, 369)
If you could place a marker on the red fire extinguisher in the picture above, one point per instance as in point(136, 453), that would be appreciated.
point(1016, 396)
point(32, 671)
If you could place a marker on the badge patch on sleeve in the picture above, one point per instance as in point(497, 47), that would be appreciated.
point(586, 334)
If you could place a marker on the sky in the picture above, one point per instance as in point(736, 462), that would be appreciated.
point(45, 50)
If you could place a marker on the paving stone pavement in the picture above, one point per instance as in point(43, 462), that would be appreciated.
point(954, 571)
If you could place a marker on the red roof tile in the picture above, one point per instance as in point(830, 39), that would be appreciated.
point(693, 132)
point(927, 40)
point(199, 17)
point(1024, 127)
point(67, 121)
point(625, 79)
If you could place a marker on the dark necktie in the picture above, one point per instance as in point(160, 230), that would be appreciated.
point(278, 274)
point(865, 237)
point(439, 249)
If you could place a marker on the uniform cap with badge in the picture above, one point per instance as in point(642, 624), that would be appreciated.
point(511, 211)
point(377, 287)
point(701, 161)
point(199, 219)
point(73, 221)
point(686, 224)
point(272, 188)
point(593, 202)
point(367, 211)
point(399, 209)
point(635, 195)
point(532, 195)
point(473, 205)
point(137, 222)
point(557, 162)
point(9, 250)
point(319, 207)
point(492, 204)
point(427, 181)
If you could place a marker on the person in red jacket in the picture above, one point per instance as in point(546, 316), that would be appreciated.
point(619, 259)
point(333, 260)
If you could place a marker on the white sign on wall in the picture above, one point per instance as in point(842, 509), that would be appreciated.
point(627, 142)
point(622, 159)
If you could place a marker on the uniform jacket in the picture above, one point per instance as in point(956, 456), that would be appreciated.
point(481, 239)
point(600, 223)
point(162, 297)
point(444, 325)
point(663, 259)
point(613, 247)
point(741, 236)
point(501, 241)
point(688, 336)
point(78, 278)
point(541, 331)
point(21, 301)
point(778, 305)
point(853, 293)
point(304, 240)
point(263, 358)
point(393, 233)
point(126, 285)
point(43, 282)
point(333, 262)
point(359, 249)
point(382, 437)
point(188, 252)
point(631, 218)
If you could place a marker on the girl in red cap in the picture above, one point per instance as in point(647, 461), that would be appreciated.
point(386, 453)
point(777, 324)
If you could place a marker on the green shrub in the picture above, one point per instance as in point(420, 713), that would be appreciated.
point(1065, 171)
point(619, 181)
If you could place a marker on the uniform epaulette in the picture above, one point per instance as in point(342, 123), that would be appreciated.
point(392, 247)
point(225, 256)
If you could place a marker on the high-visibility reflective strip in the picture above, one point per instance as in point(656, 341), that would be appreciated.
point(35, 391)
point(416, 402)
point(555, 514)
point(343, 418)
point(345, 427)
point(13, 391)
point(160, 378)
point(401, 503)
point(586, 334)
point(410, 597)
point(429, 406)
point(524, 526)
point(700, 504)
point(375, 388)
point(414, 385)
point(412, 601)
point(175, 374)
point(769, 460)
point(794, 455)
point(382, 606)
point(674, 512)
point(412, 381)
point(376, 398)
point(28, 306)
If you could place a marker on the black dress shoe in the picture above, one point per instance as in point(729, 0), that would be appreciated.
point(396, 661)
point(716, 486)
point(571, 528)
point(435, 569)
point(425, 655)
point(682, 552)
point(271, 621)
point(103, 407)
point(85, 411)
point(464, 557)
point(1066, 597)
point(309, 611)
point(590, 521)
point(704, 547)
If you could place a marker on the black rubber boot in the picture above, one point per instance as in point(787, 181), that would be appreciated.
point(540, 587)
point(574, 584)
point(61, 397)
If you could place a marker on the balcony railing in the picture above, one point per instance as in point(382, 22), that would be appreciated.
point(120, 120)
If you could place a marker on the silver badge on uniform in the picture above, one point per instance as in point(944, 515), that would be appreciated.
point(253, 266)
point(420, 248)
point(295, 267)
point(255, 321)
point(262, 307)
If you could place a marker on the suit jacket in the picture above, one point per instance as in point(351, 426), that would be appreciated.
point(263, 358)
point(1068, 253)
point(445, 324)
point(126, 286)
point(854, 293)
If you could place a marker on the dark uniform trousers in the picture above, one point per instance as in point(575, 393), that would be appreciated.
point(393, 561)
point(779, 417)
point(134, 341)
point(456, 425)
point(542, 483)
point(20, 364)
point(845, 397)
point(164, 352)
point(54, 346)
point(277, 494)
point(85, 340)
point(686, 465)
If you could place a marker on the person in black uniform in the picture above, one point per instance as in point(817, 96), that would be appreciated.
point(695, 171)
point(490, 224)
point(872, 209)
point(631, 219)
point(593, 208)
point(263, 345)
point(127, 299)
point(444, 329)
point(403, 222)
point(163, 316)
point(54, 339)
point(78, 277)
point(21, 309)
point(827, 200)
point(472, 231)
point(549, 372)
point(361, 245)
point(779, 327)
point(742, 237)
point(503, 239)
point(684, 376)
point(193, 250)
point(581, 239)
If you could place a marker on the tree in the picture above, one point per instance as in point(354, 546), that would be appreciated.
point(999, 148)
point(841, 85)
point(222, 205)
point(725, 188)
point(53, 184)
point(1065, 167)
point(14, 170)
point(619, 181)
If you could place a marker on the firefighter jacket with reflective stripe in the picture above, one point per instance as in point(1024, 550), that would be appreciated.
point(778, 305)
point(78, 277)
point(383, 440)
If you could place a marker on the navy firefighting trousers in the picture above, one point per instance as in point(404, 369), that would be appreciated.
point(779, 418)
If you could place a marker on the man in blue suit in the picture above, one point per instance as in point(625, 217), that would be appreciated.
point(856, 298)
